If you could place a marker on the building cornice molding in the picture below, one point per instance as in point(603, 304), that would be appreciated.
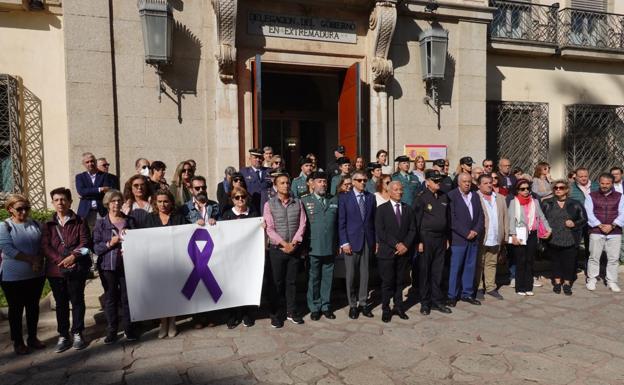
point(382, 22)
point(226, 12)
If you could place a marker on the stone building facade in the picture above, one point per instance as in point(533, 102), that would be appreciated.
point(303, 75)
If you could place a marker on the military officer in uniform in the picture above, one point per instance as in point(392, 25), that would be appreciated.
point(256, 177)
point(446, 183)
point(375, 173)
point(300, 184)
point(344, 165)
point(333, 168)
point(433, 227)
point(322, 213)
point(409, 181)
point(465, 165)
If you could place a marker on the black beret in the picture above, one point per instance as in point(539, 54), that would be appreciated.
point(402, 158)
point(373, 165)
point(343, 160)
point(303, 161)
point(439, 162)
point(433, 175)
point(318, 175)
point(466, 160)
point(340, 148)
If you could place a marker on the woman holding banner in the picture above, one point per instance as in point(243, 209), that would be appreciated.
point(165, 214)
point(240, 211)
point(107, 239)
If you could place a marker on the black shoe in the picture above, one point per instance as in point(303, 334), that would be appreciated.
point(557, 288)
point(471, 301)
point(111, 338)
point(401, 314)
point(248, 321)
point(276, 322)
point(233, 322)
point(315, 315)
point(567, 289)
point(329, 314)
point(366, 312)
point(494, 293)
point(425, 310)
point(35, 343)
point(130, 336)
point(386, 316)
point(451, 302)
point(297, 320)
point(354, 313)
point(442, 309)
point(480, 294)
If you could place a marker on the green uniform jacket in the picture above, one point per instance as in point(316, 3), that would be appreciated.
point(299, 186)
point(411, 185)
point(322, 226)
point(371, 186)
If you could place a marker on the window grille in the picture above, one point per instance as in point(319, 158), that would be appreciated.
point(10, 143)
point(518, 131)
point(594, 137)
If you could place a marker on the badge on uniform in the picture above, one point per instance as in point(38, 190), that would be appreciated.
point(429, 207)
point(333, 206)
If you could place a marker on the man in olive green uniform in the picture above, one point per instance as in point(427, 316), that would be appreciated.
point(375, 173)
point(409, 181)
point(344, 165)
point(322, 213)
point(300, 184)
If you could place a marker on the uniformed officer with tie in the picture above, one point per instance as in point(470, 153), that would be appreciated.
point(256, 177)
point(446, 183)
point(375, 174)
point(409, 181)
point(433, 226)
point(344, 165)
point(322, 213)
point(300, 184)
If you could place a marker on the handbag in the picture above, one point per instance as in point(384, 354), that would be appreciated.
point(541, 230)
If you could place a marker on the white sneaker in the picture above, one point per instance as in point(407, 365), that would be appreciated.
point(614, 287)
point(521, 293)
point(530, 293)
point(512, 283)
point(537, 283)
point(591, 284)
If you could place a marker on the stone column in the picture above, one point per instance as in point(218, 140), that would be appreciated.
point(226, 90)
point(382, 24)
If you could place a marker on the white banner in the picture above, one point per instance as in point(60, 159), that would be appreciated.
point(176, 270)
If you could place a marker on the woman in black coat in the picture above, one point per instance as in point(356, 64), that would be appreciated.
point(567, 218)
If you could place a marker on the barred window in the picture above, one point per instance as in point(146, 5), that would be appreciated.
point(518, 131)
point(10, 176)
point(594, 137)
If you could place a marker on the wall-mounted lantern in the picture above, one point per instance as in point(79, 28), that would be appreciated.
point(157, 26)
point(433, 51)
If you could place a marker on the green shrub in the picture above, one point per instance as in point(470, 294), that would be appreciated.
point(38, 215)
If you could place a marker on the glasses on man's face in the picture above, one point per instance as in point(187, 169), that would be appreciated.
point(22, 209)
point(361, 180)
point(559, 188)
point(240, 197)
point(488, 165)
point(523, 189)
point(105, 164)
point(139, 185)
point(199, 188)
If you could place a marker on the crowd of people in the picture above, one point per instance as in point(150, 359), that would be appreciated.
point(449, 232)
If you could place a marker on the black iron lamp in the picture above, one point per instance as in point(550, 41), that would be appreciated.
point(157, 26)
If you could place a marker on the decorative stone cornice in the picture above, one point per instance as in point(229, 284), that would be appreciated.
point(226, 11)
point(382, 22)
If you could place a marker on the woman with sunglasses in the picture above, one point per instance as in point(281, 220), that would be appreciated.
point(181, 185)
point(541, 181)
point(344, 185)
point(164, 213)
point(240, 210)
point(21, 273)
point(496, 187)
point(237, 180)
point(567, 218)
point(107, 240)
point(526, 223)
point(137, 194)
point(277, 162)
point(382, 195)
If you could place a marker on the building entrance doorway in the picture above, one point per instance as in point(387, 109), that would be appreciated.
point(301, 111)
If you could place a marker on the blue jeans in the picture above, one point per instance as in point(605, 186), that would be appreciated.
point(463, 267)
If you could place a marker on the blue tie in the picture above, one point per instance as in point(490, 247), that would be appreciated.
point(361, 204)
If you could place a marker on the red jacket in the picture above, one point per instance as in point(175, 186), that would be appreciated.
point(75, 233)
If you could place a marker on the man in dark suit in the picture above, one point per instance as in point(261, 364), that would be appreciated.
point(356, 236)
point(467, 225)
point(256, 177)
point(91, 186)
point(396, 230)
point(507, 178)
point(104, 166)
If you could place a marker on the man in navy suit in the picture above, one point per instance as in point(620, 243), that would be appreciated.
point(467, 225)
point(91, 186)
point(395, 227)
point(356, 235)
point(257, 177)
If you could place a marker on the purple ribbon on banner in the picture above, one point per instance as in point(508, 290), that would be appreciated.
point(201, 271)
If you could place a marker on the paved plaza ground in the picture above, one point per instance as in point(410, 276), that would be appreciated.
point(547, 339)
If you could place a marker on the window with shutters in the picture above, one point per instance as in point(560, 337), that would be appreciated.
point(587, 24)
point(522, 20)
point(10, 175)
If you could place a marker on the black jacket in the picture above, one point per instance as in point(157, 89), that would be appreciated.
point(575, 210)
point(389, 234)
point(153, 220)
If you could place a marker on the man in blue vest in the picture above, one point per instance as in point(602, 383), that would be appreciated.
point(322, 214)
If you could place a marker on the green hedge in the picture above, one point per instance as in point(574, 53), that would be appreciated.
point(38, 215)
